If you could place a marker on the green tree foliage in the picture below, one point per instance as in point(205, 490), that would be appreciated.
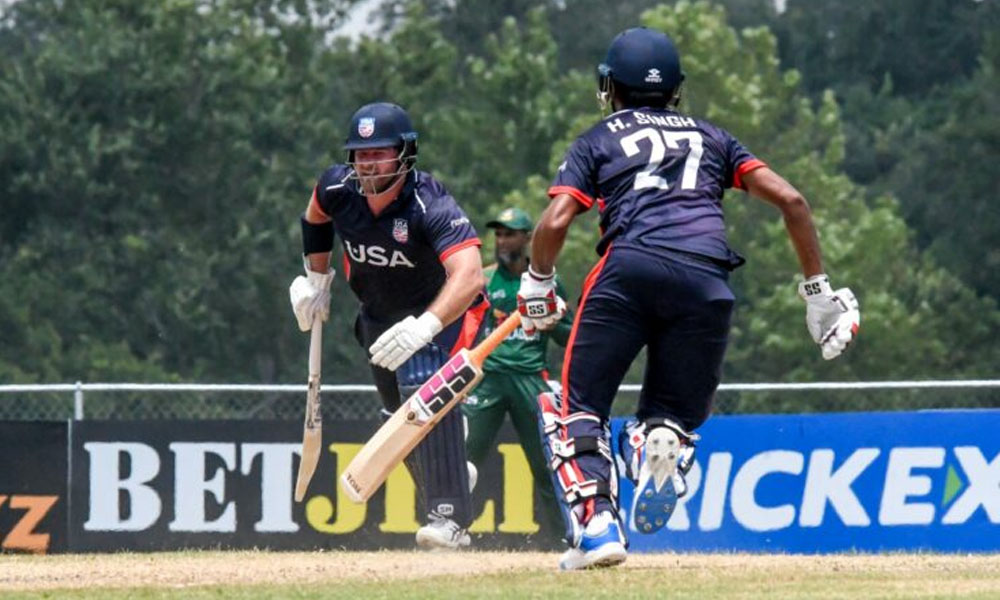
point(153, 161)
point(735, 80)
point(945, 179)
point(840, 43)
point(154, 158)
point(917, 86)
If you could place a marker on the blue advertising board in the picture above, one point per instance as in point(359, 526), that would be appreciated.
point(867, 482)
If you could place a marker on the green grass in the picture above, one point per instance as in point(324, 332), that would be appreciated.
point(666, 576)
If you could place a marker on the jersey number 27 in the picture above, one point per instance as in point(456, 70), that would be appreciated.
point(659, 140)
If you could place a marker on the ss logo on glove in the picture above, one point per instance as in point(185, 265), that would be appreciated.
point(538, 303)
point(832, 317)
point(538, 308)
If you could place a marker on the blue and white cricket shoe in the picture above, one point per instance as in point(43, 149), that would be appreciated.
point(601, 545)
point(657, 483)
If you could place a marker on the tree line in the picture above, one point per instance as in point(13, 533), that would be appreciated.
point(155, 156)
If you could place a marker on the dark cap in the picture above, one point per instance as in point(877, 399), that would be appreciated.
point(512, 218)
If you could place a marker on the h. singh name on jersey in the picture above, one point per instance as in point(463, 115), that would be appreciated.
point(642, 118)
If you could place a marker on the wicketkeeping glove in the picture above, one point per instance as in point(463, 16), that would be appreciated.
point(537, 301)
point(403, 339)
point(832, 317)
point(310, 296)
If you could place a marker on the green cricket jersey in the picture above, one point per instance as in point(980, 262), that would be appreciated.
point(519, 353)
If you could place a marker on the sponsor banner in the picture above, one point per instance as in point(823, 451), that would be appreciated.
point(33, 500)
point(901, 481)
point(151, 485)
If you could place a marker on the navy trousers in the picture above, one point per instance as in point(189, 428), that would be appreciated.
point(675, 305)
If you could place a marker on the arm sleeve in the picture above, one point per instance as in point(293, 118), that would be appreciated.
point(448, 229)
point(560, 333)
point(739, 161)
point(331, 189)
point(576, 175)
point(317, 203)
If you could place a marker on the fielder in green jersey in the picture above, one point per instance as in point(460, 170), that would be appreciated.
point(516, 372)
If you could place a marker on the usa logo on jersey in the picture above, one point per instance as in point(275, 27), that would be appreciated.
point(366, 127)
point(400, 230)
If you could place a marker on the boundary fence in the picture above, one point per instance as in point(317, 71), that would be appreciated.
point(768, 403)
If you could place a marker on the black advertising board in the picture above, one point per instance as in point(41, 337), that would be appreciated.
point(33, 498)
point(151, 485)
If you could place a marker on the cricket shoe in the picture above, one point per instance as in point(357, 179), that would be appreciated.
point(658, 483)
point(442, 534)
point(601, 545)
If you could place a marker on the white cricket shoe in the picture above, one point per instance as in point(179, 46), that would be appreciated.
point(442, 534)
point(600, 545)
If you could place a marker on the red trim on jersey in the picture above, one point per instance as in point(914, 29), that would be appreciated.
point(588, 283)
point(459, 246)
point(578, 195)
point(314, 202)
point(471, 321)
point(347, 267)
point(589, 505)
point(601, 204)
point(744, 168)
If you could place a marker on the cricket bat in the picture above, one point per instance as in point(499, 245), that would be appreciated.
point(418, 415)
point(312, 431)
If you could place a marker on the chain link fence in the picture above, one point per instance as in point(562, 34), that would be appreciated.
point(286, 402)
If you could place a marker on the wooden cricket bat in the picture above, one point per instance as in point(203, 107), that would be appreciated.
point(418, 415)
point(312, 431)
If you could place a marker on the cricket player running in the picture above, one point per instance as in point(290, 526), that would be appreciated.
point(517, 371)
point(412, 258)
point(657, 177)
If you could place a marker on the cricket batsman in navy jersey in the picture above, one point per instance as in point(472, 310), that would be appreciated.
point(657, 178)
point(412, 258)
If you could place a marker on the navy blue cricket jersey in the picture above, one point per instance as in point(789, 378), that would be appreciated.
point(658, 179)
point(393, 262)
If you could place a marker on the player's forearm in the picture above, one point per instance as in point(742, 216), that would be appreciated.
point(455, 298)
point(317, 238)
point(799, 223)
point(550, 233)
point(465, 281)
point(767, 185)
point(319, 261)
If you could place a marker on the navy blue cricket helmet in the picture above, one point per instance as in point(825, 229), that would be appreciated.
point(382, 125)
point(643, 61)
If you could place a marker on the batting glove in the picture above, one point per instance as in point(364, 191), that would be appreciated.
point(400, 341)
point(310, 296)
point(832, 317)
point(537, 301)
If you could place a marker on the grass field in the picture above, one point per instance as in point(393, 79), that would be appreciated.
point(253, 575)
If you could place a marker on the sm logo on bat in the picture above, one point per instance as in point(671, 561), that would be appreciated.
point(451, 380)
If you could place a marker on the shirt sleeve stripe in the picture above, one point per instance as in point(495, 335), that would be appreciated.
point(579, 196)
point(459, 246)
point(744, 168)
point(314, 201)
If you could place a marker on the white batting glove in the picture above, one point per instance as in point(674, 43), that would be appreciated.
point(400, 341)
point(832, 317)
point(537, 301)
point(310, 296)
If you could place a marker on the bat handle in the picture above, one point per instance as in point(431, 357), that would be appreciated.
point(315, 346)
point(479, 353)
